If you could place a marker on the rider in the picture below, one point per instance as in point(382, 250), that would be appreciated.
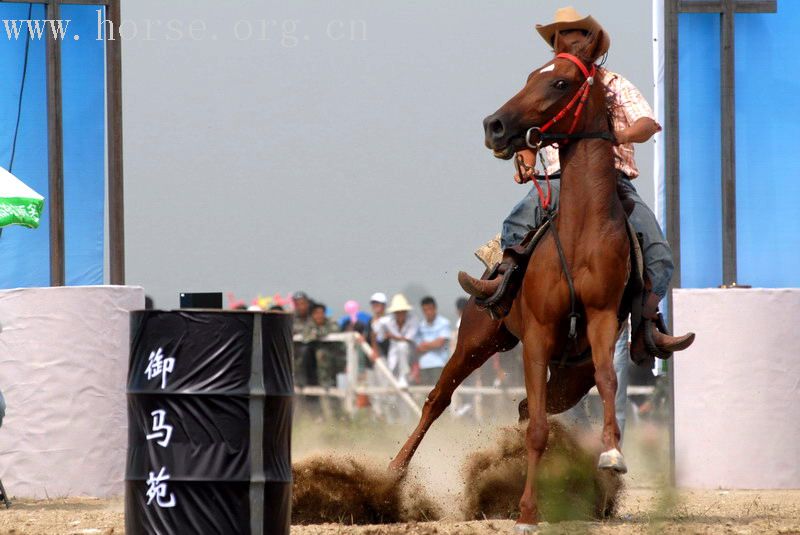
point(633, 122)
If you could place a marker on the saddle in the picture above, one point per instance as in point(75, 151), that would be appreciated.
point(490, 254)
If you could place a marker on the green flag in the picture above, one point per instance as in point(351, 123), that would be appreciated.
point(19, 204)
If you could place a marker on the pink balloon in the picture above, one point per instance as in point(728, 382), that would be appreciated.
point(351, 309)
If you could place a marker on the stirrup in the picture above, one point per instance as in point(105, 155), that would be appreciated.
point(498, 305)
point(650, 344)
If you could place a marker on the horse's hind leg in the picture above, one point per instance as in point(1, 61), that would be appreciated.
point(479, 337)
point(565, 388)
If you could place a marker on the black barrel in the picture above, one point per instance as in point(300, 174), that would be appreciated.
point(209, 423)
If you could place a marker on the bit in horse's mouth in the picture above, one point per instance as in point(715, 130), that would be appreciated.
point(505, 153)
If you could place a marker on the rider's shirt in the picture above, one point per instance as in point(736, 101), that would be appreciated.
point(627, 105)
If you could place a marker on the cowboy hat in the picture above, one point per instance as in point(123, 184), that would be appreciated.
point(399, 304)
point(567, 18)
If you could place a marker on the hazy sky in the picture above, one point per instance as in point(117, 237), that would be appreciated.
point(335, 147)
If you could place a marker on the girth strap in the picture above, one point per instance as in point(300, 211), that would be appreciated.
point(573, 315)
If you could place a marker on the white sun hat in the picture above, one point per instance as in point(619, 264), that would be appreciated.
point(399, 304)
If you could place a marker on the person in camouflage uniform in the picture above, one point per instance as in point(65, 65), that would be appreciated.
point(305, 369)
point(327, 355)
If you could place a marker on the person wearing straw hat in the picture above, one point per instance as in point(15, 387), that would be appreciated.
point(633, 122)
point(400, 328)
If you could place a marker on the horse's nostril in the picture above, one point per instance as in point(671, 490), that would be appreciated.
point(496, 127)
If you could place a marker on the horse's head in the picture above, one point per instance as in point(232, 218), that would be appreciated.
point(548, 90)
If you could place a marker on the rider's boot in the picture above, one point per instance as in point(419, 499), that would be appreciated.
point(653, 335)
point(496, 290)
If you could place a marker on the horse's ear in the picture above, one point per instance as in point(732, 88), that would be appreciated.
point(589, 50)
point(560, 46)
point(594, 47)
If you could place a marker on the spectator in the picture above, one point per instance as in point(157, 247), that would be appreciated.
point(328, 360)
point(305, 366)
point(657, 404)
point(302, 310)
point(352, 321)
point(433, 341)
point(400, 329)
point(359, 323)
point(314, 331)
point(378, 305)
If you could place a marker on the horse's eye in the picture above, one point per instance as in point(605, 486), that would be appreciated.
point(560, 84)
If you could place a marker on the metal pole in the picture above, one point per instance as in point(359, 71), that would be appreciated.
point(116, 204)
point(55, 151)
point(673, 170)
point(728, 103)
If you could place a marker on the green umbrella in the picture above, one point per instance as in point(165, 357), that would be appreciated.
point(19, 204)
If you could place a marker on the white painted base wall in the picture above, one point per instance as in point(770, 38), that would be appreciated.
point(63, 368)
point(737, 389)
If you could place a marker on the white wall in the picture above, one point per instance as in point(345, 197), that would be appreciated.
point(737, 389)
point(63, 367)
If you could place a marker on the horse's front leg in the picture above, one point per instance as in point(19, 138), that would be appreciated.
point(479, 337)
point(538, 346)
point(602, 334)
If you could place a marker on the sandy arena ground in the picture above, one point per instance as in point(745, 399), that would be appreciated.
point(642, 511)
point(646, 506)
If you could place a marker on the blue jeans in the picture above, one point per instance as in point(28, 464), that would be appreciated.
point(528, 214)
point(622, 359)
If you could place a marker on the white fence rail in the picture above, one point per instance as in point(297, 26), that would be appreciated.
point(352, 387)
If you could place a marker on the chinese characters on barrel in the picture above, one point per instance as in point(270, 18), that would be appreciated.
point(158, 366)
point(161, 429)
point(157, 489)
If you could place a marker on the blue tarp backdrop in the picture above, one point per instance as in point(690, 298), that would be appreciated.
point(767, 158)
point(25, 253)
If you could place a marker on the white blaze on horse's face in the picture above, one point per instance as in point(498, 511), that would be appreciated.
point(549, 68)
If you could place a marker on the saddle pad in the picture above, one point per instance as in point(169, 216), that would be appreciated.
point(490, 253)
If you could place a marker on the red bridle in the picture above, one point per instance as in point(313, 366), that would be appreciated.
point(579, 99)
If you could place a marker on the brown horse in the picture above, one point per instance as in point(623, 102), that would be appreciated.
point(592, 231)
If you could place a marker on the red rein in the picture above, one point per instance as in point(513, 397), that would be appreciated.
point(580, 99)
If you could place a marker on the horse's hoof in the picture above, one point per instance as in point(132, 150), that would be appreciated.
point(612, 460)
point(525, 529)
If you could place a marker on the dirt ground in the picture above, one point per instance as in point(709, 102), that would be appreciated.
point(642, 511)
point(645, 507)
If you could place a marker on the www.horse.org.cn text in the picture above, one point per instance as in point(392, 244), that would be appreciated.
point(285, 33)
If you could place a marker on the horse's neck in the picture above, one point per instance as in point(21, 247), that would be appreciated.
point(588, 181)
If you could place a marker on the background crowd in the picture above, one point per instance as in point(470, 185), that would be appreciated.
point(415, 343)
